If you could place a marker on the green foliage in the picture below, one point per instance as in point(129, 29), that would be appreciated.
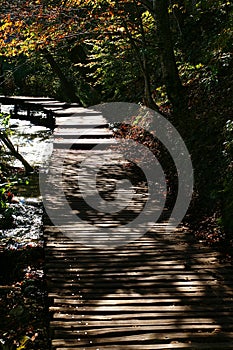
point(34, 77)
point(5, 123)
point(3, 204)
point(106, 63)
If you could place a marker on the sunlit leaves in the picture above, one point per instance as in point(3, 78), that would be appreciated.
point(27, 26)
point(31, 25)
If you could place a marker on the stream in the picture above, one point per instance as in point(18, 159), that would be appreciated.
point(32, 141)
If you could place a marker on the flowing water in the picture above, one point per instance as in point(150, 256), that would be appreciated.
point(24, 226)
point(32, 141)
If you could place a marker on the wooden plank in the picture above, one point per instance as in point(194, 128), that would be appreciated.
point(70, 132)
point(139, 308)
point(118, 274)
point(75, 110)
point(220, 316)
point(142, 301)
point(149, 337)
point(159, 332)
point(144, 246)
point(53, 248)
point(80, 142)
point(66, 263)
point(171, 323)
point(80, 120)
point(89, 293)
point(173, 345)
point(12, 99)
point(190, 296)
point(129, 280)
point(46, 104)
point(70, 331)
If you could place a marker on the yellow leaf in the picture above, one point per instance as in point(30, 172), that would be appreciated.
point(23, 342)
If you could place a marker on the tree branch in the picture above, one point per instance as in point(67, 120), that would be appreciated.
point(5, 139)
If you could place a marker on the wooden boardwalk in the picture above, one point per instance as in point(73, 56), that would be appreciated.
point(161, 291)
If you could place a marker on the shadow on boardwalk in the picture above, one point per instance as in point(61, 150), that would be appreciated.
point(148, 293)
point(161, 291)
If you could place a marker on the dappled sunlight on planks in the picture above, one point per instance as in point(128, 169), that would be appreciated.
point(160, 290)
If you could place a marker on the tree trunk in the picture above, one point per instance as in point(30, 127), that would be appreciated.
point(68, 88)
point(148, 100)
point(170, 73)
point(15, 153)
point(174, 88)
